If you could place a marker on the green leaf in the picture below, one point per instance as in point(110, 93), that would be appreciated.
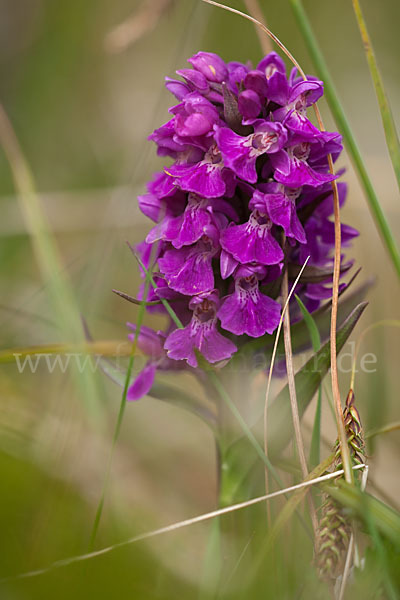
point(316, 344)
point(389, 126)
point(365, 506)
point(308, 379)
point(311, 325)
point(313, 274)
point(338, 113)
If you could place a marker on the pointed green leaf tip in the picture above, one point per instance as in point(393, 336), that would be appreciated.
point(308, 379)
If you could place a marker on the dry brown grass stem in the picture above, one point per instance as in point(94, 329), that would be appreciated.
point(138, 24)
point(271, 368)
point(254, 9)
point(179, 525)
point(293, 395)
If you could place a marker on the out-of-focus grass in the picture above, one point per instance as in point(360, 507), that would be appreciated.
point(82, 117)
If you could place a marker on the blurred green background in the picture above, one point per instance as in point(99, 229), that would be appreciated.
point(83, 95)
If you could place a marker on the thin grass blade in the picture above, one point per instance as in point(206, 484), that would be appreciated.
point(337, 110)
point(316, 344)
point(392, 139)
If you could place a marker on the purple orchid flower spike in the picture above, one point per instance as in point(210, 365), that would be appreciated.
point(247, 310)
point(247, 168)
point(201, 334)
point(240, 153)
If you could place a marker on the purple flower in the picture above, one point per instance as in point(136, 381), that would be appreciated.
point(163, 198)
point(249, 104)
point(258, 83)
point(279, 203)
point(240, 153)
point(143, 383)
point(293, 170)
point(208, 178)
point(293, 114)
point(194, 117)
point(237, 73)
point(248, 169)
point(201, 334)
point(210, 65)
point(189, 269)
point(199, 215)
point(247, 310)
point(166, 141)
point(150, 344)
point(177, 88)
point(195, 79)
point(252, 241)
point(273, 67)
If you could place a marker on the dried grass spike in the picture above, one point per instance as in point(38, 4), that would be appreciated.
point(334, 530)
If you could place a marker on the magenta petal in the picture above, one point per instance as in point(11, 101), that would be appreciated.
point(296, 228)
point(215, 347)
point(189, 269)
point(142, 384)
point(252, 242)
point(210, 65)
point(204, 337)
point(236, 153)
point(302, 174)
point(177, 88)
point(150, 206)
point(197, 79)
point(249, 104)
point(179, 346)
point(192, 125)
point(204, 179)
point(250, 312)
point(303, 129)
point(227, 264)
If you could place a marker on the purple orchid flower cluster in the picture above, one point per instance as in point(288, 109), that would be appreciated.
point(248, 194)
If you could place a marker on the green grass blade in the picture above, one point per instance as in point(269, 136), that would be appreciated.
point(48, 259)
point(223, 394)
point(164, 302)
point(348, 137)
point(121, 412)
point(389, 126)
point(311, 325)
point(316, 344)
